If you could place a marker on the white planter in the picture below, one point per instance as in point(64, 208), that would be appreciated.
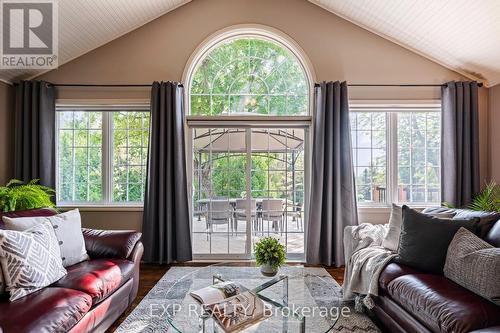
point(268, 270)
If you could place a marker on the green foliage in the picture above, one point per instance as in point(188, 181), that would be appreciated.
point(269, 250)
point(249, 75)
point(488, 199)
point(17, 195)
point(80, 155)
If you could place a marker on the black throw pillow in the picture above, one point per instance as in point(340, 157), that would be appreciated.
point(425, 239)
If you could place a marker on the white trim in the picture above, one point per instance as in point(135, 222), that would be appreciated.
point(105, 107)
point(391, 109)
point(104, 102)
point(246, 30)
point(102, 208)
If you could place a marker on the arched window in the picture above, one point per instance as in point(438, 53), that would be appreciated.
point(246, 75)
point(248, 174)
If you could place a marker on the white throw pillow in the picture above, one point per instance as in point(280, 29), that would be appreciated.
point(68, 229)
point(391, 240)
point(30, 260)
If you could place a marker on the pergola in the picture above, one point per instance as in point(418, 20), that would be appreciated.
point(263, 140)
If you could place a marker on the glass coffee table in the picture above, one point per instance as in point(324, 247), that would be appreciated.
point(300, 299)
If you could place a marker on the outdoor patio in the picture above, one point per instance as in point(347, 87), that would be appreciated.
point(223, 241)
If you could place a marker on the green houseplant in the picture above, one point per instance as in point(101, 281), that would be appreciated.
point(487, 200)
point(17, 195)
point(269, 255)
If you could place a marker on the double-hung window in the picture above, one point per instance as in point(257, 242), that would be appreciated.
point(101, 154)
point(396, 153)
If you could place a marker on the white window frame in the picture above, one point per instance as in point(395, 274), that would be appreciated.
point(107, 151)
point(250, 121)
point(392, 108)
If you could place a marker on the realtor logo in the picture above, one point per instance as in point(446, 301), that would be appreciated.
point(28, 34)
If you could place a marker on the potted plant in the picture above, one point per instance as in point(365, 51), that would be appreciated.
point(17, 195)
point(269, 255)
point(487, 200)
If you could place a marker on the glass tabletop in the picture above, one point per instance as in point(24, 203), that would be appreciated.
point(297, 299)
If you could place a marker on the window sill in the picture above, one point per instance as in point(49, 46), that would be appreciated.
point(103, 208)
point(385, 208)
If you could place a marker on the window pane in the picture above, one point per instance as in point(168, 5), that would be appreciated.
point(79, 157)
point(368, 133)
point(249, 76)
point(419, 159)
point(130, 133)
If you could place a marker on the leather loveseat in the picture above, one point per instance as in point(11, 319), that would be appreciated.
point(414, 301)
point(90, 297)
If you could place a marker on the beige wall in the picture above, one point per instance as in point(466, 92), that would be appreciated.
point(337, 49)
point(494, 133)
point(6, 132)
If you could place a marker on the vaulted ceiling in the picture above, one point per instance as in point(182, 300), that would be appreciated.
point(462, 35)
point(85, 25)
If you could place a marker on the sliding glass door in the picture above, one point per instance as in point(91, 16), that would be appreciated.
point(247, 183)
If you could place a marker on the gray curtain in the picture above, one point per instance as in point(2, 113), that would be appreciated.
point(166, 232)
point(333, 195)
point(34, 151)
point(459, 143)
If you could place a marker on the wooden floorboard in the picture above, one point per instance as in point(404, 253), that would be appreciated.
point(151, 274)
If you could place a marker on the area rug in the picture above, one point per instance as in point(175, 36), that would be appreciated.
point(168, 307)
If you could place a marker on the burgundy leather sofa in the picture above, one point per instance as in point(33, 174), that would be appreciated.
point(414, 301)
point(90, 297)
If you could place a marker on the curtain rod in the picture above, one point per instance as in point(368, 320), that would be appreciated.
point(479, 84)
point(101, 85)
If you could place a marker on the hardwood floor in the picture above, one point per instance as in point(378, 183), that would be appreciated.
point(151, 274)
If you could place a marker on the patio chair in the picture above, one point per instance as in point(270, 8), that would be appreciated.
point(219, 212)
point(272, 210)
point(296, 214)
point(240, 213)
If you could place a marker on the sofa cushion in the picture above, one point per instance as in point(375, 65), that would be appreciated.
point(67, 227)
point(46, 310)
point(441, 304)
point(424, 239)
point(27, 213)
point(474, 264)
point(30, 260)
point(391, 239)
point(394, 270)
point(486, 219)
point(98, 277)
point(110, 243)
point(493, 236)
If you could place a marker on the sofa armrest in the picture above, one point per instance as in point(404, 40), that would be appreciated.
point(110, 243)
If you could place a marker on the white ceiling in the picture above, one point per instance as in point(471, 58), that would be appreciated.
point(463, 35)
point(85, 25)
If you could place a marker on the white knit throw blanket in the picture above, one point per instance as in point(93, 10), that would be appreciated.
point(367, 261)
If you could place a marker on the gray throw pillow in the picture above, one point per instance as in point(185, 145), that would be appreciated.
point(30, 260)
point(68, 229)
point(474, 264)
point(391, 239)
point(425, 239)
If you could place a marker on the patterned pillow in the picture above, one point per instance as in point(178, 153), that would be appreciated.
point(68, 229)
point(30, 260)
point(474, 264)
